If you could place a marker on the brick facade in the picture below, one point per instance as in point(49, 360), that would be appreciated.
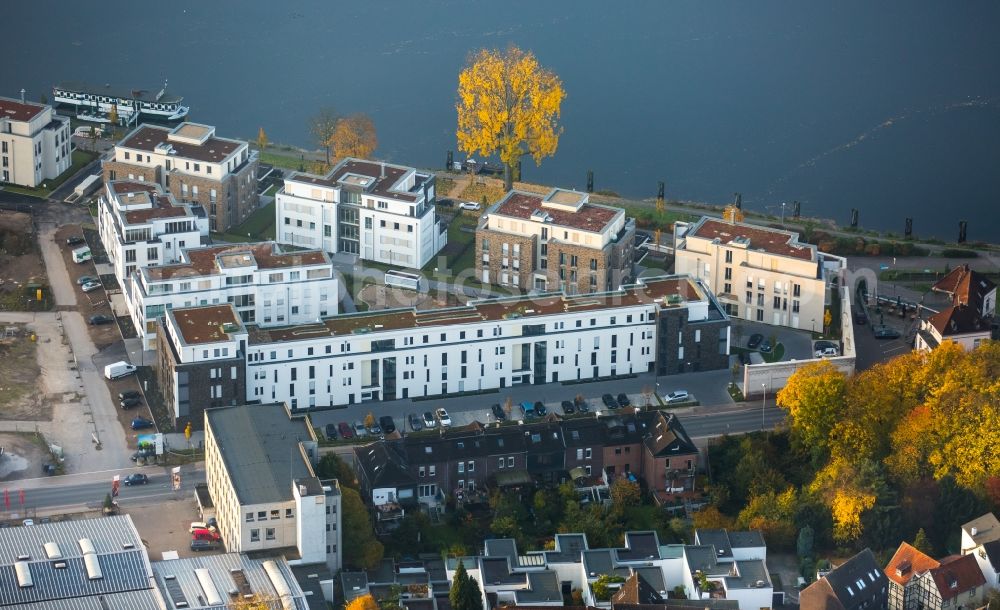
point(494, 241)
point(699, 340)
point(187, 388)
point(235, 195)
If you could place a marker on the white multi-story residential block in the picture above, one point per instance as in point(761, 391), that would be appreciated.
point(669, 324)
point(265, 285)
point(34, 143)
point(141, 225)
point(193, 164)
point(378, 211)
point(259, 469)
point(758, 273)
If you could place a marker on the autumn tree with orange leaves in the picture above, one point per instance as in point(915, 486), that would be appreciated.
point(508, 105)
point(354, 136)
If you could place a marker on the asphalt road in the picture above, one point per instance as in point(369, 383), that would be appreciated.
point(53, 495)
point(731, 421)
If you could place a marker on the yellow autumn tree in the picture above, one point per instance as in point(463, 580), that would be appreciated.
point(814, 398)
point(509, 105)
point(364, 602)
point(261, 139)
point(354, 136)
point(847, 495)
point(255, 602)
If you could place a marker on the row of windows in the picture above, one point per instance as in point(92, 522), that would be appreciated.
point(262, 515)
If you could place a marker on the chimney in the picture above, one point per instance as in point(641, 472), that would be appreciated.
point(22, 95)
point(381, 167)
point(973, 531)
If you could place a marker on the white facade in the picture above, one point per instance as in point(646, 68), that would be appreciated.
point(266, 286)
point(141, 225)
point(34, 143)
point(378, 211)
point(170, 154)
point(489, 344)
point(758, 273)
point(306, 518)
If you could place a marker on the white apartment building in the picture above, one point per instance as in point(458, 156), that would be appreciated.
point(34, 143)
point(672, 323)
point(265, 285)
point(195, 165)
point(141, 225)
point(758, 273)
point(259, 470)
point(378, 211)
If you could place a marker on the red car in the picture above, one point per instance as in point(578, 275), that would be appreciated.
point(205, 535)
point(345, 430)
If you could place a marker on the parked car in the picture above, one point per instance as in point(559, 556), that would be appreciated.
point(539, 409)
point(330, 431)
point(416, 422)
point(135, 479)
point(83, 279)
point(359, 429)
point(75, 240)
point(91, 286)
point(197, 525)
point(884, 332)
point(100, 319)
point(375, 430)
point(581, 404)
point(444, 202)
point(755, 340)
point(205, 534)
point(498, 412)
point(609, 401)
point(860, 317)
point(129, 394)
point(140, 423)
point(470, 205)
point(443, 417)
point(128, 403)
point(429, 421)
point(765, 347)
point(387, 424)
point(204, 545)
point(677, 396)
point(623, 400)
point(568, 407)
point(117, 370)
point(826, 352)
point(345, 430)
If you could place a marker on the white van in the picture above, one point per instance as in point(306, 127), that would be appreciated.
point(117, 370)
point(81, 255)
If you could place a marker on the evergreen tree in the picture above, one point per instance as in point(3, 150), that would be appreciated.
point(464, 594)
point(922, 543)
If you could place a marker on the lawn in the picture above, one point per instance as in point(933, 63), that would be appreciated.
point(80, 159)
point(460, 250)
point(776, 354)
point(258, 227)
point(286, 159)
point(491, 190)
point(646, 217)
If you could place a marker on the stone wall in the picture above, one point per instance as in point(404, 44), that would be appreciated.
point(699, 339)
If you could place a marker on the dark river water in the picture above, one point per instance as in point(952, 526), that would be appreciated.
point(889, 107)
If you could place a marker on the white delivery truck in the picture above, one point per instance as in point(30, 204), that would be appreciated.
point(81, 255)
point(118, 369)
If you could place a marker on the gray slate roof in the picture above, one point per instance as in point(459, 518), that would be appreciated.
point(260, 447)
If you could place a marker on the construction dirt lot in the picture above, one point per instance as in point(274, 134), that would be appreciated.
point(23, 455)
point(88, 303)
point(20, 262)
point(20, 372)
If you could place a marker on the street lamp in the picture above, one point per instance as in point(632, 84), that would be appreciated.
point(763, 401)
point(814, 325)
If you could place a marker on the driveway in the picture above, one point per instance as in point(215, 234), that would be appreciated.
point(62, 286)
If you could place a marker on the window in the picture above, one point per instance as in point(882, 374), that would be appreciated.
point(729, 259)
point(432, 470)
point(269, 533)
point(472, 466)
point(500, 465)
point(255, 535)
point(262, 515)
point(461, 467)
point(422, 472)
point(274, 514)
point(288, 513)
point(510, 462)
point(249, 517)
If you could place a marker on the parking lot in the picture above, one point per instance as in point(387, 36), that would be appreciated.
point(798, 343)
point(164, 527)
point(708, 388)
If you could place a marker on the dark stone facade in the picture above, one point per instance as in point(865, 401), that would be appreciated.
point(704, 342)
point(187, 388)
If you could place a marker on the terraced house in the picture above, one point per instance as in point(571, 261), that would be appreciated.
point(559, 241)
point(195, 165)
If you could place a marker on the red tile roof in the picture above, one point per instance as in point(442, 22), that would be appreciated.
point(957, 576)
point(589, 217)
point(16, 111)
point(965, 285)
point(204, 261)
point(760, 238)
point(958, 320)
point(214, 150)
point(906, 563)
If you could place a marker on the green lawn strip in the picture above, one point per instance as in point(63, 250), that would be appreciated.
point(776, 354)
point(292, 160)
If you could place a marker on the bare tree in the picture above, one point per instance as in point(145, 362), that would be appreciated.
point(322, 126)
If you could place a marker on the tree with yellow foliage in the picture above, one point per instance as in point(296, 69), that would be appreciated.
point(814, 398)
point(261, 139)
point(732, 214)
point(509, 105)
point(847, 495)
point(354, 136)
point(255, 602)
point(364, 602)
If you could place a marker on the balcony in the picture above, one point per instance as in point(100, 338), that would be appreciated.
point(392, 511)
